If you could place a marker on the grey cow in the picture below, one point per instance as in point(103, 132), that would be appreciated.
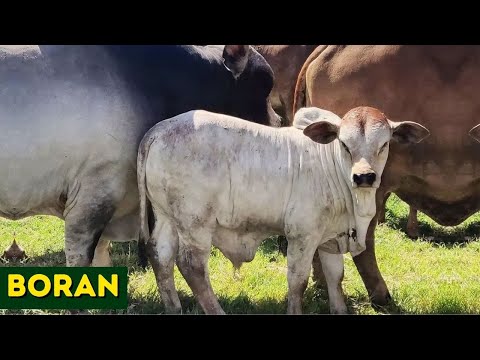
point(71, 119)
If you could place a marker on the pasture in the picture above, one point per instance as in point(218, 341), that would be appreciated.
point(438, 273)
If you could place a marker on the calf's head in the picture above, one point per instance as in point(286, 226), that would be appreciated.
point(360, 145)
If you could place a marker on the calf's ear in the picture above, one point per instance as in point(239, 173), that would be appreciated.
point(323, 132)
point(475, 132)
point(318, 124)
point(408, 132)
point(235, 58)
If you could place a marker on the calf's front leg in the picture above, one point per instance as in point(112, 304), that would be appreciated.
point(299, 259)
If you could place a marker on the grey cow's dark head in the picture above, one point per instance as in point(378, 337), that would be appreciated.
point(252, 82)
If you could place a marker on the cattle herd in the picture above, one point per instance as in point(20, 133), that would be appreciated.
point(185, 147)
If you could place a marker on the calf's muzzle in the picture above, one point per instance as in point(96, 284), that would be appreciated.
point(364, 180)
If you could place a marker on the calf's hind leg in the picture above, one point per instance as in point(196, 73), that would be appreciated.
point(162, 248)
point(193, 264)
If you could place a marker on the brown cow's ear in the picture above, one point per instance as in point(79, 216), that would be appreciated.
point(408, 132)
point(323, 132)
point(475, 132)
point(235, 58)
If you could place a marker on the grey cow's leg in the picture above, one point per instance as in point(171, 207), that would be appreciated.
point(162, 248)
point(193, 264)
point(299, 258)
point(84, 225)
point(333, 269)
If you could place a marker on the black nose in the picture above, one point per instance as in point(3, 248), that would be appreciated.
point(364, 179)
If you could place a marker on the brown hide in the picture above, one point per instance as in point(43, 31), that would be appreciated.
point(432, 85)
point(286, 62)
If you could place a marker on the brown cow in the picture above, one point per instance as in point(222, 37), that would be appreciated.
point(434, 85)
point(286, 62)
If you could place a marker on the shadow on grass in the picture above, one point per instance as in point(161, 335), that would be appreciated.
point(315, 301)
point(442, 306)
point(316, 298)
point(150, 304)
point(448, 237)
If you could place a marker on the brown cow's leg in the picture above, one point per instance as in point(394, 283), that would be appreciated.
point(318, 275)
point(367, 266)
point(382, 209)
point(366, 262)
point(412, 224)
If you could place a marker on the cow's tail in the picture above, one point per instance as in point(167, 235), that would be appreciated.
point(146, 213)
point(300, 97)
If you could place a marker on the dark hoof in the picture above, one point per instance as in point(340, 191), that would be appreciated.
point(413, 235)
point(379, 301)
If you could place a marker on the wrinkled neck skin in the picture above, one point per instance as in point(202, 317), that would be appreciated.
point(359, 202)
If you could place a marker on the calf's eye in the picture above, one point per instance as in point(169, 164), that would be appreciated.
point(384, 146)
point(345, 147)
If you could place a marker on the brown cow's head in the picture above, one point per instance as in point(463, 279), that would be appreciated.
point(361, 149)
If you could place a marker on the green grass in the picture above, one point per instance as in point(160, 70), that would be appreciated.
point(438, 273)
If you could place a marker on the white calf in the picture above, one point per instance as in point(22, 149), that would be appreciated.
point(215, 179)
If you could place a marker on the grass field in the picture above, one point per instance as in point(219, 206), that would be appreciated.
point(439, 273)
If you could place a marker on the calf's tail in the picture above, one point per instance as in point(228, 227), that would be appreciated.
point(146, 213)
